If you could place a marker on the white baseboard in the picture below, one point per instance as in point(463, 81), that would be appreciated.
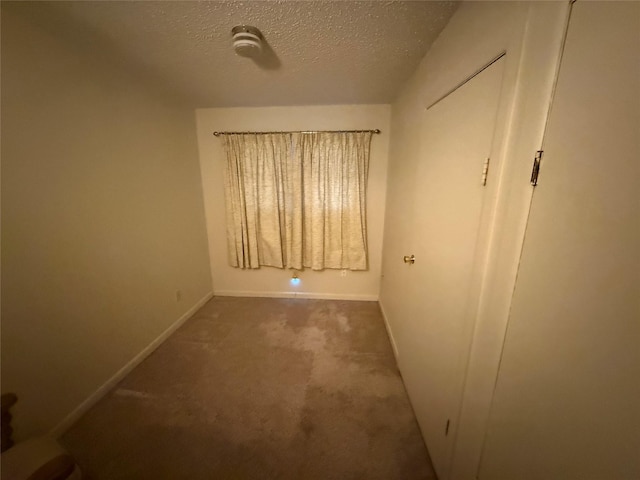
point(390, 333)
point(92, 399)
point(320, 296)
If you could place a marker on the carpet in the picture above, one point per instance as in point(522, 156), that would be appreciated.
point(259, 388)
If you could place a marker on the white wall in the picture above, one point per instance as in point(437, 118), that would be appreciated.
point(530, 33)
point(268, 281)
point(567, 400)
point(102, 221)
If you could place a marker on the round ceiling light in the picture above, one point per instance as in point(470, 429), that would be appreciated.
point(247, 41)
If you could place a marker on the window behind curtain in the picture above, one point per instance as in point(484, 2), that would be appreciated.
point(297, 200)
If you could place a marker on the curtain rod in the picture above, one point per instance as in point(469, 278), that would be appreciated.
point(377, 130)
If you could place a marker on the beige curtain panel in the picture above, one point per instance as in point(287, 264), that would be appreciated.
point(297, 200)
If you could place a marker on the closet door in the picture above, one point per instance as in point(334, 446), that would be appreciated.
point(457, 138)
point(567, 400)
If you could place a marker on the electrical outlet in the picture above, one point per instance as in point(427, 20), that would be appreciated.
point(178, 295)
point(343, 273)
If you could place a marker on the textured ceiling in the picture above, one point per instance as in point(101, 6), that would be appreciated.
point(318, 52)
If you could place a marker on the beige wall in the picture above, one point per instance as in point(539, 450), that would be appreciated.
point(268, 281)
point(102, 222)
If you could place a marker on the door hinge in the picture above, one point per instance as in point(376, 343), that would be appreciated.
point(446, 430)
point(536, 167)
point(485, 171)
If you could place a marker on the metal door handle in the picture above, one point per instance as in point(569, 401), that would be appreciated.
point(409, 259)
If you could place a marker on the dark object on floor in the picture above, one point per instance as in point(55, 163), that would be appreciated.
point(8, 401)
point(35, 459)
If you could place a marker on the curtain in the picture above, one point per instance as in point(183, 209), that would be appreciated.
point(297, 200)
point(335, 169)
point(257, 171)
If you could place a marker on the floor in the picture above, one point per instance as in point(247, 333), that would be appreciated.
point(260, 388)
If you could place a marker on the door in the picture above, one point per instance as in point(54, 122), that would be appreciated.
point(457, 139)
point(567, 399)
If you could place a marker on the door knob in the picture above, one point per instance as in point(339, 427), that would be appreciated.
point(409, 259)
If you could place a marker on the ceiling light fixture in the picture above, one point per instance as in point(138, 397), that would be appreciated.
point(247, 41)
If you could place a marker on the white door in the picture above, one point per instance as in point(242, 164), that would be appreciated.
point(567, 400)
point(457, 139)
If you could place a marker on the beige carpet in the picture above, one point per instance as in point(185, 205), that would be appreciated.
point(257, 388)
